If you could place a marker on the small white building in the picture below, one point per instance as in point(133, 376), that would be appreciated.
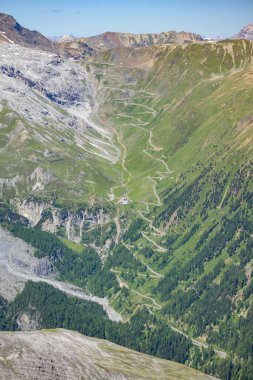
point(124, 201)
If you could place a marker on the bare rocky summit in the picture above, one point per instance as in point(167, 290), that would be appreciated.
point(67, 355)
point(12, 32)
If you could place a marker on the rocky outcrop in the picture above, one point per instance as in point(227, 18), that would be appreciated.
point(27, 322)
point(246, 32)
point(53, 219)
point(12, 32)
point(30, 210)
point(67, 355)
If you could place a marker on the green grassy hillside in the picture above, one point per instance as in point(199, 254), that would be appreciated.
point(182, 120)
point(174, 106)
point(183, 117)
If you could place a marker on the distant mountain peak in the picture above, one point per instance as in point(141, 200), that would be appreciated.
point(62, 38)
point(246, 32)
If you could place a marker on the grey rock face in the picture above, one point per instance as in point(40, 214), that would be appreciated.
point(71, 222)
point(59, 80)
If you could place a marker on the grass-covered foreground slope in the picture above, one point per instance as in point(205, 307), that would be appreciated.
point(64, 354)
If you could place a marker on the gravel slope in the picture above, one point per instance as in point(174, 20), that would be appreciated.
point(66, 355)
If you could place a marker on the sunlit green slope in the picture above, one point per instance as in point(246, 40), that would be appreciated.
point(174, 106)
point(183, 117)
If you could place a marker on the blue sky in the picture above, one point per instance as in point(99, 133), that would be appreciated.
point(91, 17)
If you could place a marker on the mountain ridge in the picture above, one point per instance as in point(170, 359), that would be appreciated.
point(112, 40)
point(12, 32)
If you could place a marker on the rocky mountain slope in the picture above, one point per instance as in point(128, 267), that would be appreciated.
point(12, 32)
point(62, 354)
point(246, 32)
point(49, 136)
